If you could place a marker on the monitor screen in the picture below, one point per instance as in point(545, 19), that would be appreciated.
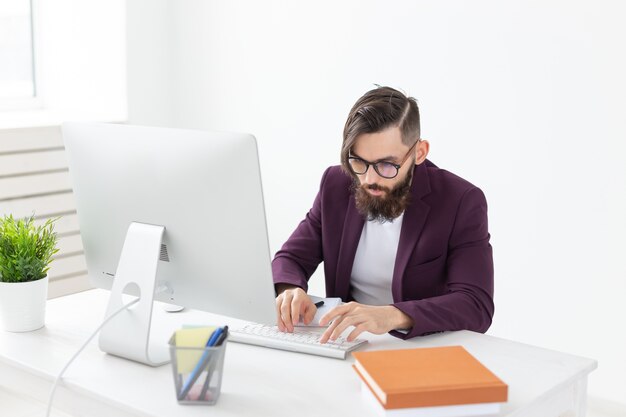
point(203, 188)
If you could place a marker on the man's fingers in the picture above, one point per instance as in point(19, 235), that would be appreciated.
point(309, 313)
point(330, 329)
point(332, 314)
point(279, 320)
point(285, 312)
point(328, 317)
point(292, 303)
point(296, 305)
point(282, 324)
point(345, 322)
point(356, 332)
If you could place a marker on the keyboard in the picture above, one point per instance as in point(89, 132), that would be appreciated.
point(303, 340)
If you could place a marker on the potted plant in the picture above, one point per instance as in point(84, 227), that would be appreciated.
point(26, 252)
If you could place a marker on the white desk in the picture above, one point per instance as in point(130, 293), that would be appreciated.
point(257, 381)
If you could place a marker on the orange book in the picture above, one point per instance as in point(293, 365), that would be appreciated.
point(428, 377)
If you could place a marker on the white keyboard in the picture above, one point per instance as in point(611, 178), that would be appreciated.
point(302, 340)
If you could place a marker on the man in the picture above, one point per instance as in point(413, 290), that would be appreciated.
point(403, 242)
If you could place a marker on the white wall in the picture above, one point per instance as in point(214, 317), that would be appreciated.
point(150, 61)
point(523, 98)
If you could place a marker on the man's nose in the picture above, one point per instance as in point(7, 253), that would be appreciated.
point(371, 176)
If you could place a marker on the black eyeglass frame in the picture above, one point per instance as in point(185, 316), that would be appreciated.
point(375, 164)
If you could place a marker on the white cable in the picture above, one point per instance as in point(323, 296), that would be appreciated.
point(56, 381)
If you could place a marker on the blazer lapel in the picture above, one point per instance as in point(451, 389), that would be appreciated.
point(352, 228)
point(414, 219)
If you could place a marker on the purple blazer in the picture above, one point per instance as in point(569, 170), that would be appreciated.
point(443, 274)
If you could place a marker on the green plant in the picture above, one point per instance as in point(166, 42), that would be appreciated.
point(26, 250)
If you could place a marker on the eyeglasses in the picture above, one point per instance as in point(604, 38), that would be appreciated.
point(385, 169)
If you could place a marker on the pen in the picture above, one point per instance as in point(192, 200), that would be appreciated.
point(319, 304)
point(221, 337)
point(205, 386)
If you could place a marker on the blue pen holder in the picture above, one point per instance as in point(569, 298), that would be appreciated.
point(197, 372)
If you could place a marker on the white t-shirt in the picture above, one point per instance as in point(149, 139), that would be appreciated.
point(372, 271)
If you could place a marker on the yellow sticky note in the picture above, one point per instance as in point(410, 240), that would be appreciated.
point(194, 337)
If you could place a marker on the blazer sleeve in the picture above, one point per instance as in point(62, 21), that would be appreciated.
point(302, 253)
point(468, 301)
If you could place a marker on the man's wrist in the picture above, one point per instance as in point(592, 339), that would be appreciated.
point(402, 320)
point(280, 288)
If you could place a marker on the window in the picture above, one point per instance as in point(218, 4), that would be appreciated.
point(17, 75)
point(62, 60)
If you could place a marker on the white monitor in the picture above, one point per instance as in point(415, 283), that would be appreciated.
point(173, 215)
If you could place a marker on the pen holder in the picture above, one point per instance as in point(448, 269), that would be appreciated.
point(197, 372)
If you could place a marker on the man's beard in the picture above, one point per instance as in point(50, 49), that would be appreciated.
point(384, 208)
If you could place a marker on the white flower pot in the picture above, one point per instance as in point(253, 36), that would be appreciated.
point(23, 305)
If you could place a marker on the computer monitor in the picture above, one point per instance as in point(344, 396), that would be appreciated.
point(173, 215)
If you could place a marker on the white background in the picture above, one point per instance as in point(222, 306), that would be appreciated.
point(526, 99)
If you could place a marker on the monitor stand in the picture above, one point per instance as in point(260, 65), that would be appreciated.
point(128, 334)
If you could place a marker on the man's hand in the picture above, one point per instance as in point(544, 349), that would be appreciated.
point(292, 303)
point(373, 319)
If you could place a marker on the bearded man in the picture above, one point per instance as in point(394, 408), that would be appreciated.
point(404, 243)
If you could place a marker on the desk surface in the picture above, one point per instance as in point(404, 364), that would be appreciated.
point(257, 381)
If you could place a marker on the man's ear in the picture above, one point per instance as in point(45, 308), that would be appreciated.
point(421, 151)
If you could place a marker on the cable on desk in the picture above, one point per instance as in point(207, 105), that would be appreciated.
point(58, 378)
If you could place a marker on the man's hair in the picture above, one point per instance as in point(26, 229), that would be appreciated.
point(377, 110)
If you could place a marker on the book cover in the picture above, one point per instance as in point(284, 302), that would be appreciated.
point(427, 377)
